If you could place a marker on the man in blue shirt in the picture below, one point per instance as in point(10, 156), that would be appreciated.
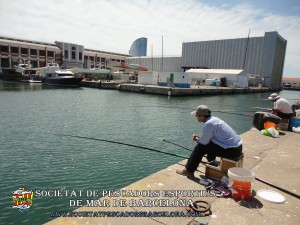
point(218, 139)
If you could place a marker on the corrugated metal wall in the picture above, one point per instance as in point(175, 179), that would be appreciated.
point(164, 64)
point(225, 54)
point(262, 56)
point(278, 62)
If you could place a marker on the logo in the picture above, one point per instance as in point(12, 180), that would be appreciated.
point(22, 199)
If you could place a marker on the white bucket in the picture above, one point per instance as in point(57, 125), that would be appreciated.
point(241, 180)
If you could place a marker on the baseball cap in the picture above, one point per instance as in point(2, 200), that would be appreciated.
point(201, 110)
point(273, 96)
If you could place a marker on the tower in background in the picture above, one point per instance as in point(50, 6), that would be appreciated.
point(139, 47)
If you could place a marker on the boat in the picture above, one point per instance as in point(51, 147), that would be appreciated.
point(52, 74)
point(92, 74)
point(19, 72)
point(22, 67)
point(122, 66)
point(31, 76)
point(286, 86)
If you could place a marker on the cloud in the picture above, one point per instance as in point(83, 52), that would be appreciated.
point(113, 25)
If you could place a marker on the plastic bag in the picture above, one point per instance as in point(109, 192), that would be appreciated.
point(272, 132)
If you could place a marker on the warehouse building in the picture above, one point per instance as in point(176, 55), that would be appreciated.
point(12, 50)
point(257, 56)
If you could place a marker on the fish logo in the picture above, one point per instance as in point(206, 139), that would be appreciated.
point(22, 199)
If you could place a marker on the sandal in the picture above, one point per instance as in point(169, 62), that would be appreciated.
point(218, 189)
point(224, 191)
point(216, 192)
point(213, 185)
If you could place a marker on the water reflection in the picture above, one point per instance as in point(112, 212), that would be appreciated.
point(17, 86)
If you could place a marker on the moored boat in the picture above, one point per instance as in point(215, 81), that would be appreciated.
point(31, 76)
point(19, 72)
point(53, 75)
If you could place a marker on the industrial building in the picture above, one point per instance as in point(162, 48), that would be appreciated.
point(261, 57)
point(69, 55)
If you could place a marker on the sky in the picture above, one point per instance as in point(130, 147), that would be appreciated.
point(113, 25)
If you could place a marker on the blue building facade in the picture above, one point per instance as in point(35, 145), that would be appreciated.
point(139, 47)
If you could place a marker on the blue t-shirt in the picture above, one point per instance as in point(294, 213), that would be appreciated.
point(220, 133)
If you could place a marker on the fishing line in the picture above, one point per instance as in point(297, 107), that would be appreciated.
point(260, 108)
point(263, 99)
point(176, 145)
point(221, 105)
point(220, 111)
point(121, 143)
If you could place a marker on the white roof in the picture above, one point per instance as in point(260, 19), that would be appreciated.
point(214, 71)
point(90, 71)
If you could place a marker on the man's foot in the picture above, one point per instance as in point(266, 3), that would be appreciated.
point(184, 172)
point(214, 163)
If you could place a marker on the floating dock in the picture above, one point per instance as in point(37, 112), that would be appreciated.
point(275, 160)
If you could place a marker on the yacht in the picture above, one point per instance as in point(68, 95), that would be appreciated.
point(52, 74)
point(30, 75)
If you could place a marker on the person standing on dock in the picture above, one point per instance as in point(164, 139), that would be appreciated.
point(218, 139)
point(282, 107)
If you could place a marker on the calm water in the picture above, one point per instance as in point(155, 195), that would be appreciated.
point(33, 157)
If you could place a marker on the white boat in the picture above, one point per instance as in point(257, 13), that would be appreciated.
point(52, 74)
point(22, 67)
point(23, 72)
point(127, 68)
point(32, 78)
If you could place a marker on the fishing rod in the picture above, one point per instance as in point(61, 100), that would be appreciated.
point(121, 143)
point(221, 111)
point(290, 99)
point(176, 144)
point(261, 108)
point(234, 113)
point(279, 188)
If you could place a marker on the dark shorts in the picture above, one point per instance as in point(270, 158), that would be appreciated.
point(285, 115)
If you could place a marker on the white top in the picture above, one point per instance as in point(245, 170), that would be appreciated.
point(283, 106)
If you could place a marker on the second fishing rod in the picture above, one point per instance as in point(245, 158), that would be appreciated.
point(220, 111)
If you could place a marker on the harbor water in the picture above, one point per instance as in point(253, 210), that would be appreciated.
point(37, 154)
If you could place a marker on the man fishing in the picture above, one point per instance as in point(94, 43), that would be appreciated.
point(217, 139)
point(282, 107)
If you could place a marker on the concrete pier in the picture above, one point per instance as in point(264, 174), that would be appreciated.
point(275, 160)
point(173, 91)
point(106, 84)
point(193, 91)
